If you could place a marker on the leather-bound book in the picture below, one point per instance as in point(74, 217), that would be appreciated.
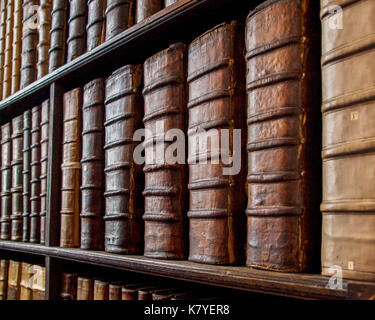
point(95, 28)
point(8, 51)
point(85, 289)
point(3, 18)
point(118, 17)
point(163, 294)
point(4, 265)
point(44, 133)
point(77, 29)
point(26, 175)
point(35, 176)
point(29, 43)
point(71, 169)
point(348, 237)
point(57, 51)
point(68, 286)
point(14, 280)
point(146, 8)
point(124, 178)
point(169, 2)
point(101, 290)
point(130, 291)
point(17, 45)
point(17, 179)
point(27, 274)
point(92, 201)
point(115, 291)
point(39, 282)
point(283, 135)
point(6, 180)
point(145, 293)
point(165, 180)
point(44, 37)
point(216, 104)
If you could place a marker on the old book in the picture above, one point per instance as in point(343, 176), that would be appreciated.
point(26, 175)
point(164, 294)
point(85, 289)
point(165, 178)
point(216, 100)
point(44, 134)
point(29, 42)
point(170, 2)
point(17, 45)
point(146, 8)
point(17, 179)
point(77, 29)
point(101, 290)
point(283, 136)
point(6, 180)
point(92, 201)
point(8, 51)
point(118, 17)
point(3, 18)
point(35, 176)
point(115, 291)
point(39, 282)
point(57, 51)
point(44, 37)
point(348, 238)
point(95, 28)
point(130, 291)
point(14, 280)
point(123, 177)
point(68, 286)
point(145, 293)
point(71, 169)
point(4, 265)
point(27, 273)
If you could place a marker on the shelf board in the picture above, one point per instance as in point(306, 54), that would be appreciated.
point(307, 286)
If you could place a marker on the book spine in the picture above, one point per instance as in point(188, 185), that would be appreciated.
point(85, 289)
point(14, 280)
point(92, 226)
point(17, 179)
point(26, 175)
point(170, 2)
point(8, 52)
point(4, 266)
point(165, 178)
point(68, 286)
point(130, 291)
point(146, 8)
point(39, 283)
point(101, 290)
point(6, 178)
point(17, 45)
point(115, 292)
point(118, 17)
point(216, 99)
point(95, 28)
point(77, 29)
point(71, 169)
point(3, 19)
point(26, 282)
point(44, 38)
point(123, 177)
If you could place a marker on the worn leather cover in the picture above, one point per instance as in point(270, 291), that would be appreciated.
point(27, 274)
point(118, 17)
point(348, 237)
point(71, 169)
point(44, 37)
point(26, 175)
point(145, 293)
point(283, 135)
point(146, 8)
point(14, 280)
point(68, 286)
point(39, 282)
point(3, 18)
point(85, 289)
point(169, 2)
point(216, 101)
point(77, 29)
point(6, 180)
point(95, 23)
point(92, 208)
point(4, 265)
point(124, 178)
point(57, 51)
point(115, 291)
point(130, 291)
point(164, 193)
point(17, 45)
point(101, 290)
point(17, 179)
point(164, 294)
point(8, 51)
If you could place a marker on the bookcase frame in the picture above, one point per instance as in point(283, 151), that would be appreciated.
point(175, 23)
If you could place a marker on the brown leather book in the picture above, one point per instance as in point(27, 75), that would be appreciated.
point(57, 51)
point(68, 286)
point(145, 293)
point(14, 280)
point(101, 290)
point(44, 133)
point(8, 51)
point(95, 23)
point(71, 169)
point(92, 201)
point(170, 2)
point(3, 18)
point(165, 178)
point(29, 43)
point(4, 265)
point(39, 282)
point(348, 237)
point(85, 289)
point(77, 29)
point(146, 8)
point(35, 176)
point(124, 178)
point(6, 180)
point(44, 37)
point(115, 291)
point(27, 274)
point(17, 179)
point(283, 135)
point(17, 45)
point(130, 291)
point(118, 17)
point(216, 100)
point(26, 175)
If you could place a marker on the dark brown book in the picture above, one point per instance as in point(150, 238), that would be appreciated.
point(6, 180)
point(35, 176)
point(44, 37)
point(146, 8)
point(71, 169)
point(283, 135)
point(57, 51)
point(92, 201)
point(14, 280)
point(8, 51)
point(124, 178)
point(101, 290)
point(77, 29)
point(17, 179)
point(27, 273)
point(68, 286)
point(145, 293)
point(39, 283)
point(3, 18)
point(95, 23)
point(118, 17)
point(4, 265)
point(165, 178)
point(216, 100)
point(26, 174)
point(115, 291)
point(130, 291)
point(17, 45)
point(85, 289)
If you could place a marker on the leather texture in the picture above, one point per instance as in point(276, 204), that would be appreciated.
point(68, 286)
point(85, 289)
point(6, 180)
point(95, 23)
point(26, 175)
point(14, 280)
point(118, 17)
point(3, 18)
point(39, 282)
point(101, 290)
point(146, 8)
point(77, 29)
point(4, 266)
point(27, 273)
point(17, 45)
point(44, 37)
point(7, 69)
